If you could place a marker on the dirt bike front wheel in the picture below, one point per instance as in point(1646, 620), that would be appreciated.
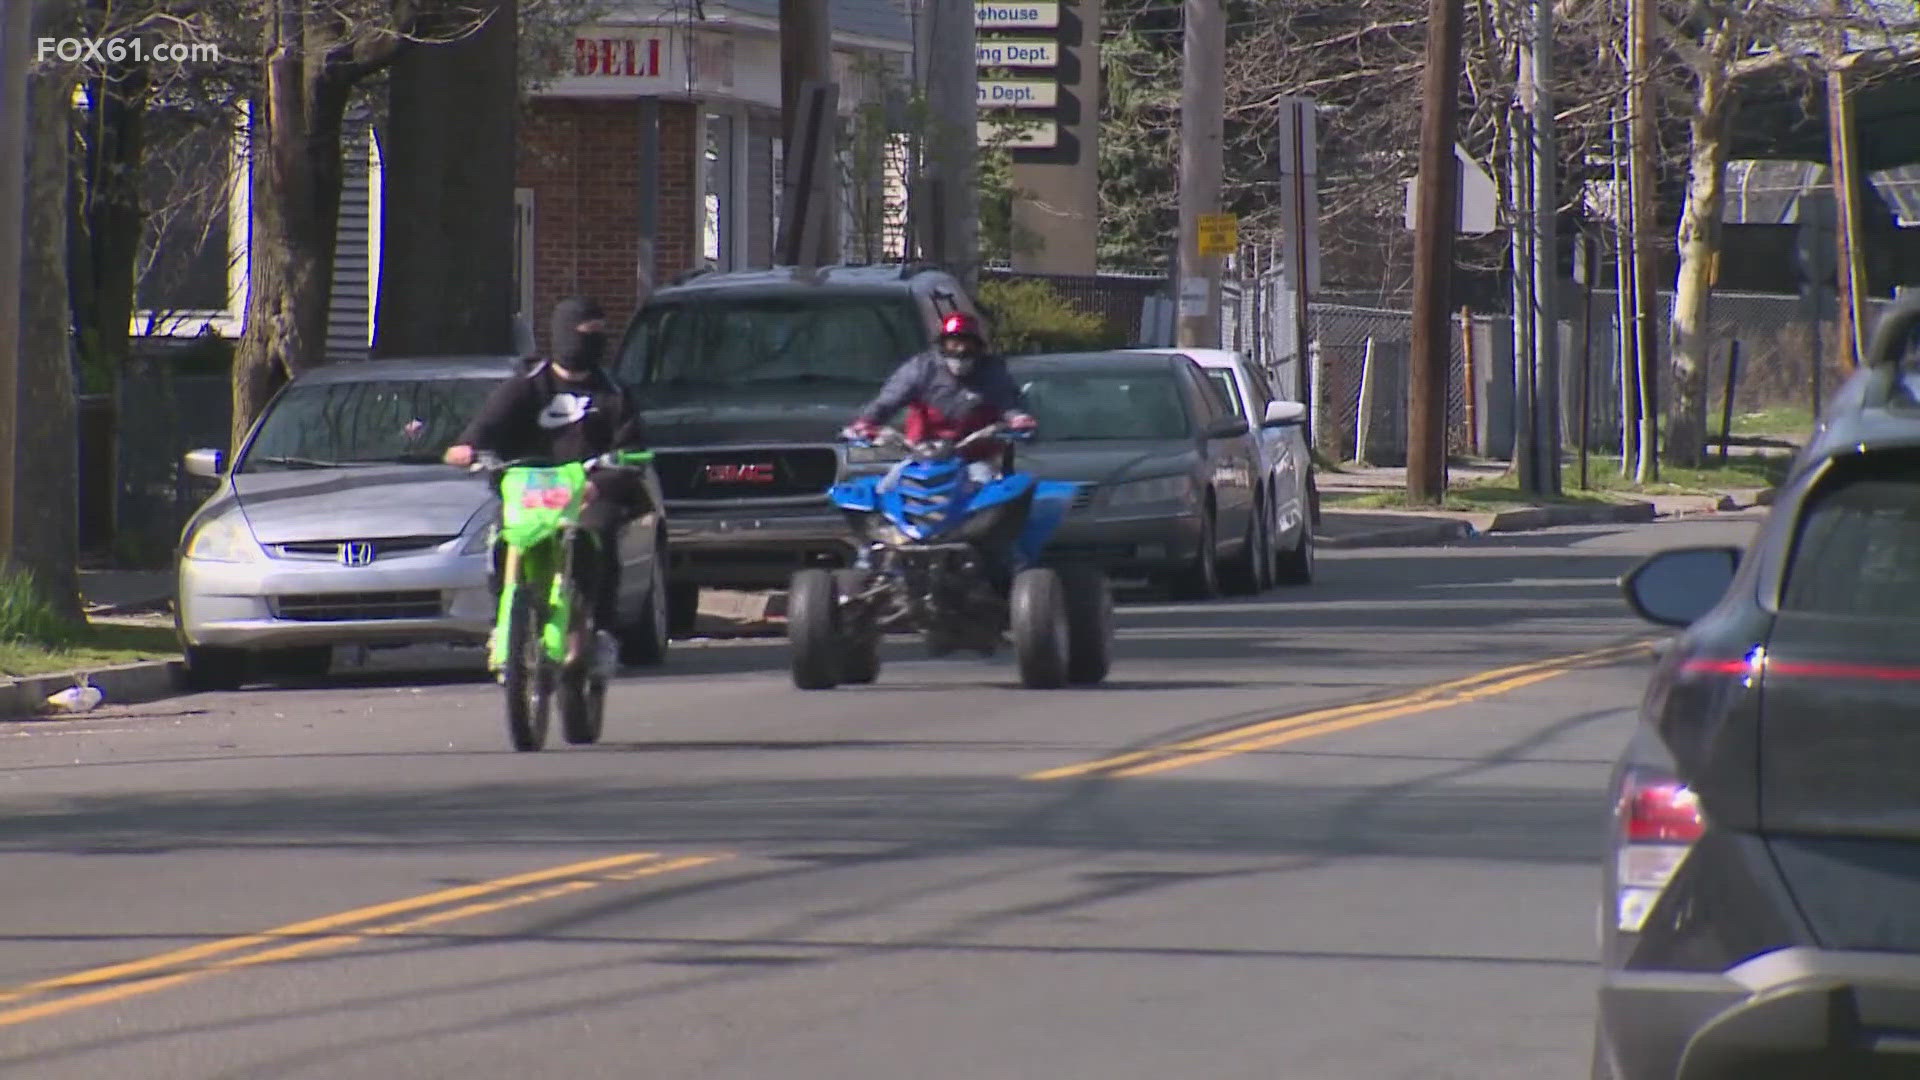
point(525, 677)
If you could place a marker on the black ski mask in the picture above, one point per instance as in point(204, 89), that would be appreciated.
point(573, 348)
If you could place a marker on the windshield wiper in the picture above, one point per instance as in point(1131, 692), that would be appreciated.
point(299, 462)
point(839, 380)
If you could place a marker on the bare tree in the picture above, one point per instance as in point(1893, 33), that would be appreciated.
point(1720, 46)
point(46, 513)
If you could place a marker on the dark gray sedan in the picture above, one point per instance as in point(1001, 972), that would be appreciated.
point(1171, 469)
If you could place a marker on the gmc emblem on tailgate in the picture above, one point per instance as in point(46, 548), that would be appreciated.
point(755, 473)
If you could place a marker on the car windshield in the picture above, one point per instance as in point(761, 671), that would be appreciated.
point(377, 422)
point(685, 347)
point(1223, 379)
point(1086, 406)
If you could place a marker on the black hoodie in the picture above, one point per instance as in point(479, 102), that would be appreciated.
point(541, 414)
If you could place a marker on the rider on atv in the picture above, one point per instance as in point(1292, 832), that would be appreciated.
point(950, 392)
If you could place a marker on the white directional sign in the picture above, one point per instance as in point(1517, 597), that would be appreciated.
point(1016, 53)
point(1016, 16)
point(1041, 135)
point(1018, 94)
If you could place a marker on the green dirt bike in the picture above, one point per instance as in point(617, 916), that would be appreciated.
point(540, 605)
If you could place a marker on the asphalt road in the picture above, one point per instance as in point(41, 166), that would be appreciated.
point(919, 879)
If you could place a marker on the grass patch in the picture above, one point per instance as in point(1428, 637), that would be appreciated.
point(1502, 492)
point(1737, 474)
point(1780, 420)
point(95, 646)
point(36, 640)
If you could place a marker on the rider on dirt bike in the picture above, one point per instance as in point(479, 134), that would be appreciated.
point(950, 392)
point(568, 409)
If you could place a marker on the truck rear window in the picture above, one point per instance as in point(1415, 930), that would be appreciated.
point(1858, 549)
point(722, 342)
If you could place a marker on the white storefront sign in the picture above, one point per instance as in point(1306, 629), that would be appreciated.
point(1016, 53)
point(1016, 16)
point(1040, 135)
point(1017, 94)
point(622, 62)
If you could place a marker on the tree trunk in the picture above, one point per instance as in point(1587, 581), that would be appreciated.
point(1699, 245)
point(296, 210)
point(447, 214)
point(46, 527)
point(107, 220)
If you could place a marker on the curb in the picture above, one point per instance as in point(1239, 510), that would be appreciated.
point(125, 684)
point(1548, 517)
point(1423, 533)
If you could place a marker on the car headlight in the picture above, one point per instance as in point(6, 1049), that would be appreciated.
point(482, 532)
point(224, 539)
point(1158, 490)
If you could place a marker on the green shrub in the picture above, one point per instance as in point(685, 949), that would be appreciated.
point(1030, 317)
point(25, 616)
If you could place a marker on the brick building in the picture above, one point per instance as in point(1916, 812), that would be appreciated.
point(669, 124)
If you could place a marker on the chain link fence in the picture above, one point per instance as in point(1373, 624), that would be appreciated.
point(162, 415)
point(1355, 345)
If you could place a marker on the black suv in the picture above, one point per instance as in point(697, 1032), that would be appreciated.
point(746, 378)
point(1761, 908)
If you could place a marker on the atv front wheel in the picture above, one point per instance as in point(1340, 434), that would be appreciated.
point(1089, 600)
point(1042, 638)
point(813, 629)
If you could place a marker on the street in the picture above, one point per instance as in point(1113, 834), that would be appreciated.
point(940, 876)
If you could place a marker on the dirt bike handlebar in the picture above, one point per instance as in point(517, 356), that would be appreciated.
point(619, 459)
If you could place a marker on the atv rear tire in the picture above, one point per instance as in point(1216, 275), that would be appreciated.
point(1042, 636)
point(813, 629)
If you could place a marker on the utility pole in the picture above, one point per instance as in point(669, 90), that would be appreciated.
point(806, 56)
point(1437, 198)
point(949, 214)
point(1845, 171)
point(1623, 302)
point(16, 24)
point(1642, 180)
point(1202, 120)
point(1520, 195)
point(1537, 99)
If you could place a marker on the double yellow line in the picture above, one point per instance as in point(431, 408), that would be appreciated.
point(99, 986)
point(1282, 730)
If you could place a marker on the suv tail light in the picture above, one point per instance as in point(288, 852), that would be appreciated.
point(1658, 820)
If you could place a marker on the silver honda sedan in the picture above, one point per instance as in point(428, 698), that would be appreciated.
point(337, 525)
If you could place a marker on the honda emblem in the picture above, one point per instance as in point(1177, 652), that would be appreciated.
point(730, 473)
point(356, 553)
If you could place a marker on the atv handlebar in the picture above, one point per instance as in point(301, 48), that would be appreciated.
point(890, 437)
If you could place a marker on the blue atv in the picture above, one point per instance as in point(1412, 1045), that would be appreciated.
point(957, 561)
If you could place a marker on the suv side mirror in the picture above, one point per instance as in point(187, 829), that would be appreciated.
point(1284, 414)
point(1227, 427)
point(206, 464)
point(1677, 587)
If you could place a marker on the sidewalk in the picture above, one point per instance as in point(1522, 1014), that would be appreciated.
point(1371, 525)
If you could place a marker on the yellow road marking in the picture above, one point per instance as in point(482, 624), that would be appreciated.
point(1286, 729)
point(581, 875)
